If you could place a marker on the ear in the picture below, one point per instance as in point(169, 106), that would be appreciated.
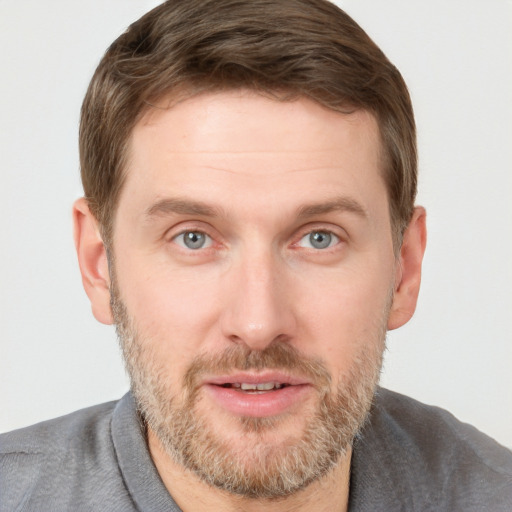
point(408, 272)
point(92, 259)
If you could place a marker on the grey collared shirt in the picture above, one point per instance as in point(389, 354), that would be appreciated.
point(408, 457)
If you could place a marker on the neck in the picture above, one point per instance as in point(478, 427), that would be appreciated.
point(329, 493)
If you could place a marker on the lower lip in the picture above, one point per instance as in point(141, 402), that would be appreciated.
point(258, 405)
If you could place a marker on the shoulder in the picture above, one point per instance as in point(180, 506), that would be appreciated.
point(430, 460)
point(57, 434)
point(59, 441)
point(437, 435)
point(58, 462)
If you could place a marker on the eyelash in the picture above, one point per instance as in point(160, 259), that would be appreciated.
point(334, 239)
point(209, 239)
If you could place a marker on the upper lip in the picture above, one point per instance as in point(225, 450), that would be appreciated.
point(256, 378)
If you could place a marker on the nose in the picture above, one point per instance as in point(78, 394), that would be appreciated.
point(259, 308)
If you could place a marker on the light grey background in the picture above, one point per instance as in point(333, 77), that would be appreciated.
point(457, 352)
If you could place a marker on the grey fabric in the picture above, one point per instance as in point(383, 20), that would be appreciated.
point(95, 459)
point(414, 457)
point(409, 457)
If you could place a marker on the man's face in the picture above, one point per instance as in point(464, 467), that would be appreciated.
point(254, 271)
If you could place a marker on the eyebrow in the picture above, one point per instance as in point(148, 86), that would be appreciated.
point(181, 206)
point(341, 204)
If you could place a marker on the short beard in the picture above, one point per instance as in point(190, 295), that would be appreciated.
point(261, 470)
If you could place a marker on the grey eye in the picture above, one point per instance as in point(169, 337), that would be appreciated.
point(193, 240)
point(319, 240)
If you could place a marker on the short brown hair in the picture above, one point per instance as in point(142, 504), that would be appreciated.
point(286, 48)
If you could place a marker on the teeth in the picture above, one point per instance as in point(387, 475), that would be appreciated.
point(265, 386)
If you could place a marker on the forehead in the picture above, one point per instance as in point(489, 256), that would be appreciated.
point(273, 124)
point(240, 144)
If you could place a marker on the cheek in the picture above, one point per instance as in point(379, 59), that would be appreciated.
point(174, 310)
point(346, 316)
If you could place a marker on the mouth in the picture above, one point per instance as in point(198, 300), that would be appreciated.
point(247, 387)
point(257, 395)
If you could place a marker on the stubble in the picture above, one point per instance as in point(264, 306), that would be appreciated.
point(263, 468)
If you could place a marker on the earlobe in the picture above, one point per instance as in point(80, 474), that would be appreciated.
point(409, 263)
point(93, 262)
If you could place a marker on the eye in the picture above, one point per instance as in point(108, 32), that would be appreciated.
point(193, 240)
point(319, 240)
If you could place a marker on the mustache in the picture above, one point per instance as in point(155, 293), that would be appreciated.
point(277, 356)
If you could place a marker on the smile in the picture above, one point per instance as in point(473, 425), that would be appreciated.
point(266, 394)
point(249, 387)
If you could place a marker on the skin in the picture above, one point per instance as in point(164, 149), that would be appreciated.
point(257, 164)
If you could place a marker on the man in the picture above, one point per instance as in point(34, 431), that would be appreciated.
point(249, 225)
